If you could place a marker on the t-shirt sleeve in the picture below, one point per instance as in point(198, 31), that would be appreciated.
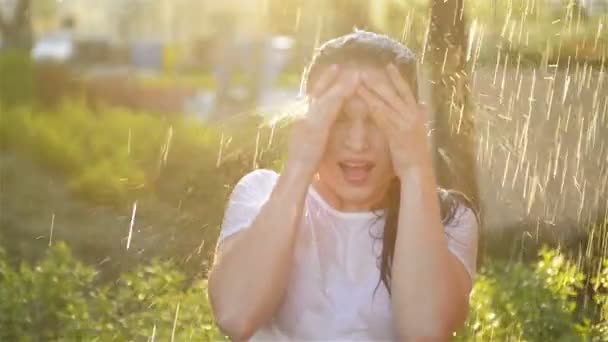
point(246, 200)
point(463, 234)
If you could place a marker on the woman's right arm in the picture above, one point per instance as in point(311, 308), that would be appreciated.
point(250, 274)
point(249, 277)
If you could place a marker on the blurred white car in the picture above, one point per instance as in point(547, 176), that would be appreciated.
point(55, 47)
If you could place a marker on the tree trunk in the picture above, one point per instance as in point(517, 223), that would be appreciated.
point(16, 29)
point(454, 135)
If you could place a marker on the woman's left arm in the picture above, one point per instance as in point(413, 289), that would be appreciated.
point(429, 284)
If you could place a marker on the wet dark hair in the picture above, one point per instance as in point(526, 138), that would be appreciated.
point(362, 47)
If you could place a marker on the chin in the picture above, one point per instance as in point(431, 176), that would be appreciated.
point(355, 195)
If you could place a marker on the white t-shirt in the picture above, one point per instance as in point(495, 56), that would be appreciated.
point(330, 295)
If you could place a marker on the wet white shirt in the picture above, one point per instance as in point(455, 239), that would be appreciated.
point(333, 292)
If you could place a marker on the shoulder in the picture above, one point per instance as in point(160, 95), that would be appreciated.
point(260, 181)
point(259, 176)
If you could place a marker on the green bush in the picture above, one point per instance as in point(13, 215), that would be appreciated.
point(111, 157)
point(17, 80)
point(60, 299)
point(600, 287)
point(521, 303)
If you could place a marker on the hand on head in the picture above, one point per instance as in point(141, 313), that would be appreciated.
point(391, 104)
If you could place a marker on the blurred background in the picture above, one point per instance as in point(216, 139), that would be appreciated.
point(124, 125)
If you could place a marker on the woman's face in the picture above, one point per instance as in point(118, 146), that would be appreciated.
point(356, 169)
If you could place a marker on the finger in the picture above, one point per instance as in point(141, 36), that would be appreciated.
point(403, 88)
point(377, 108)
point(385, 90)
point(329, 103)
point(326, 79)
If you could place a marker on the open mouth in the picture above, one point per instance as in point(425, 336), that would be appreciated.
point(356, 172)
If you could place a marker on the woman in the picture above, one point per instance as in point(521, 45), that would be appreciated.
point(350, 241)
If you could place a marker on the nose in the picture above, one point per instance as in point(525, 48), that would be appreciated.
point(357, 138)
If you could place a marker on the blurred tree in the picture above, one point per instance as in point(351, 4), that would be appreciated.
point(16, 27)
point(454, 127)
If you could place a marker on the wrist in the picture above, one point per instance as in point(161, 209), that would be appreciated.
point(298, 170)
point(422, 166)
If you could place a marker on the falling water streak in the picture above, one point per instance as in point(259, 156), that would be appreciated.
point(472, 33)
point(582, 202)
point(451, 104)
point(480, 156)
point(218, 162)
point(129, 143)
point(589, 77)
point(168, 144)
point(522, 24)
point(515, 175)
point(406, 26)
point(460, 118)
point(604, 117)
point(581, 81)
point(510, 39)
point(496, 68)
point(579, 142)
point(510, 107)
point(518, 65)
point(255, 154)
point(568, 118)
point(556, 136)
point(550, 104)
point(579, 76)
point(52, 229)
point(564, 170)
point(425, 42)
point(175, 322)
point(487, 147)
point(600, 80)
point(270, 136)
point(445, 59)
point(548, 170)
point(507, 20)
point(532, 193)
point(153, 337)
point(566, 82)
point(526, 180)
point(298, 19)
point(556, 162)
point(504, 176)
point(591, 133)
point(597, 35)
point(566, 85)
point(519, 87)
point(504, 76)
point(132, 224)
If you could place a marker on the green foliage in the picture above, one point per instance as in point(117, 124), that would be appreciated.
point(600, 286)
point(517, 302)
point(114, 156)
point(60, 299)
point(17, 80)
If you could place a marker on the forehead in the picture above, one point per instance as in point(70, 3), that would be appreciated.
point(355, 105)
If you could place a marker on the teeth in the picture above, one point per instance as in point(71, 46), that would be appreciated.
point(355, 164)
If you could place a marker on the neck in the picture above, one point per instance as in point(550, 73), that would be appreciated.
point(339, 203)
